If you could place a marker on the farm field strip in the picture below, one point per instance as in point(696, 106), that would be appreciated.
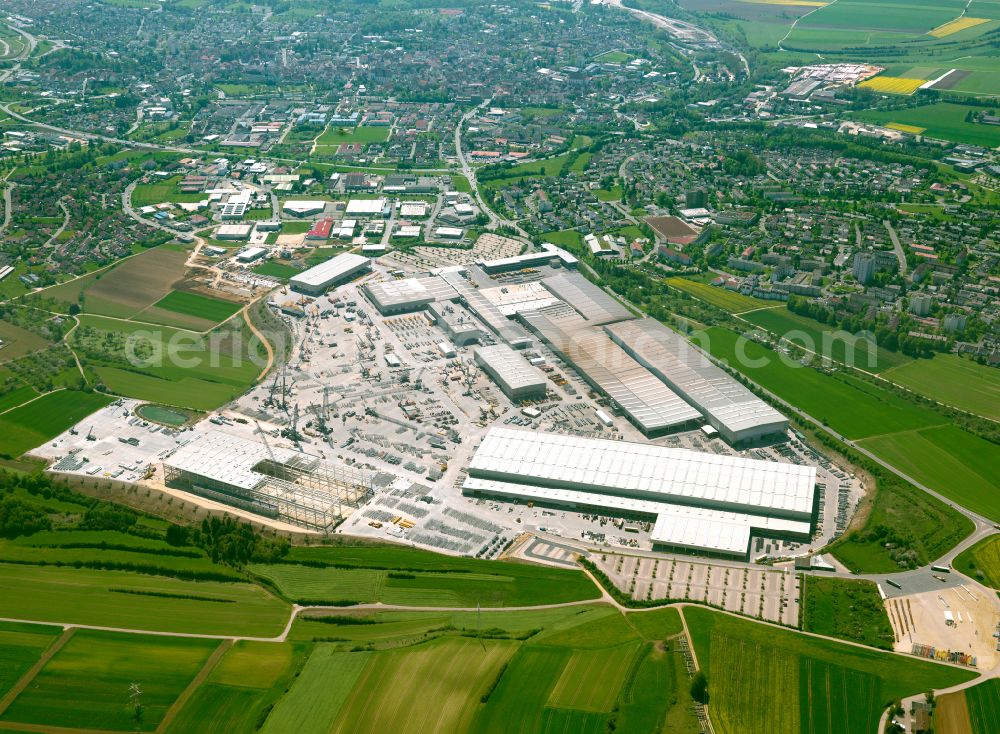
point(86, 683)
point(916, 440)
point(954, 26)
point(83, 596)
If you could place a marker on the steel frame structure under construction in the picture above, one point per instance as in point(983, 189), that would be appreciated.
point(292, 486)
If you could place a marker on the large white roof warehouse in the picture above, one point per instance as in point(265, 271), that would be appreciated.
point(732, 409)
point(704, 502)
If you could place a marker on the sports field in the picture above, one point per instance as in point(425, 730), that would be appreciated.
point(982, 561)
point(945, 120)
point(953, 380)
point(764, 679)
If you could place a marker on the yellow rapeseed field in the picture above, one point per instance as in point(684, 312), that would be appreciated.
point(954, 26)
point(912, 129)
point(892, 84)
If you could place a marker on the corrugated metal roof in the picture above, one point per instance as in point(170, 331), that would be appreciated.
point(727, 404)
point(410, 292)
point(649, 402)
point(646, 471)
point(510, 367)
point(332, 269)
point(230, 459)
point(596, 306)
point(680, 525)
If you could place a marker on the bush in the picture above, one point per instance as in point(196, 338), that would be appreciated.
point(699, 687)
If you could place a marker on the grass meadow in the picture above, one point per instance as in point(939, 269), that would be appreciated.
point(32, 424)
point(418, 578)
point(944, 120)
point(918, 440)
point(85, 596)
point(952, 380)
point(982, 561)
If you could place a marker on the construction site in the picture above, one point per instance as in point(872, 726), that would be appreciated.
point(396, 378)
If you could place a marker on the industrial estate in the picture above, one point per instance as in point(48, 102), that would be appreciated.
point(472, 367)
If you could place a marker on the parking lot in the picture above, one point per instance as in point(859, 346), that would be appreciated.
point(768, 594)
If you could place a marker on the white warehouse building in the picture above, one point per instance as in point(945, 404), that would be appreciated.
point(729, 407)
point(317, 280)
point(511, 372)
point(702, 503)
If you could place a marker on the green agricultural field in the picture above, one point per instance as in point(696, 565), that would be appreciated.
point(162, 192)
point(86, 683)
point(591, 679)
point(328, 675)
point(720, 297)
point(277, 270)
point(981, 700)
point(832, 344)
point(956, 463)
point(84, 596)
point(125, 288)
point(844, 404)
point(102, 547)
point(237, 694)
point(839, 400)
point(953, 380)
point(17, 396)
point(434, 687)
point(765, 679)
point(518, 704)
point(982, 561)
point(194, 304)
point(29, 426)
point(174, 367)
point(17, 342)
point(412, 577)
point(656, 624)
point(848, 609)
point(21, 645)
point(334, 136)
point(944, 120)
